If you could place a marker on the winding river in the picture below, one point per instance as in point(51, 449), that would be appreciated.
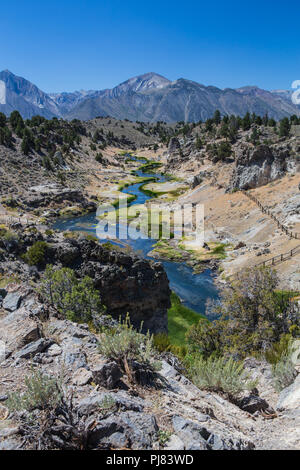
point(193, 289)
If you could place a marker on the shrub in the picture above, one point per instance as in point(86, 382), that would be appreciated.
point(91, 237)
point(2, 120)
point(99, 157)
point(36, 253)
point(107, 404)
point(74, 299)
point(47, 164)
point(163, 436)
point(179, 351)
point(284, 372)
point(278, 350)
point(219, 250)
point(5, 234)
point(220, 375)
point(205, 338)
point(132, 350)
point(253, 316)
point(161, 342)
point(42, 392)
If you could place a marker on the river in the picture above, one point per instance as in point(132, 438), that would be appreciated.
point(193, 289)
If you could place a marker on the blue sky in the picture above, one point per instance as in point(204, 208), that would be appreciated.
point(72, 44)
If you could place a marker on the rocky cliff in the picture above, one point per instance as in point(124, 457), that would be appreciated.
point(260, 165)
point(126, 283)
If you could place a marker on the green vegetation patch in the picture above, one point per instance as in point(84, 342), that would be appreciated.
point(169, 189)
point(180, 319)
point(165, 250)
point(135, 180)
point(150, 166)
point(5, 280)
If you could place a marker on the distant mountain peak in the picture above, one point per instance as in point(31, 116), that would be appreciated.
point(146, 97)
point(144, 82)
point(248, 88)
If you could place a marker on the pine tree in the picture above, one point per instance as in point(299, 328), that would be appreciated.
point(284, 127)
point(254, 137)
point(217, 117)
point(2, 120)
point(198, 143)
point(25, 146)
point(246, 123)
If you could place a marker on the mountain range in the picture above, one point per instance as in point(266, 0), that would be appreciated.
point(149, 97)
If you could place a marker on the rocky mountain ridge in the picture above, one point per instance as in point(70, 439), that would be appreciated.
point(148, 97)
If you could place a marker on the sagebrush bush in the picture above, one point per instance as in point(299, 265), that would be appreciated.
point(284, 371)
point(220, 375)
point(129, 348)
point(42, 392)
point(107, 404)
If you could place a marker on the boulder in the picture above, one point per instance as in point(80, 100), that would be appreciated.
point(194, 181)
point(130, 430)
point(128, 284)
point(289, 398)
point(193, 435)
point(93, 403)
point(107, 374)
point(3, 293)
point(59, 158)
point(74, 359)
point(174, 443)
point(82, 377)
point(54, 350)
point(31, 349)
point(239, 245)
point(12, 301)
point(197, 437)
point(254, 403)
point(215, 442)
point(67, 254)
point(18, 329)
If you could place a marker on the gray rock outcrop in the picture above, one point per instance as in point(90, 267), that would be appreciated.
point(126, 283)
point(174, 145)
point(289, 398)
point(259, 166)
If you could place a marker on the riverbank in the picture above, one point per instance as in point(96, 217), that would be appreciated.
point(193, 289)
